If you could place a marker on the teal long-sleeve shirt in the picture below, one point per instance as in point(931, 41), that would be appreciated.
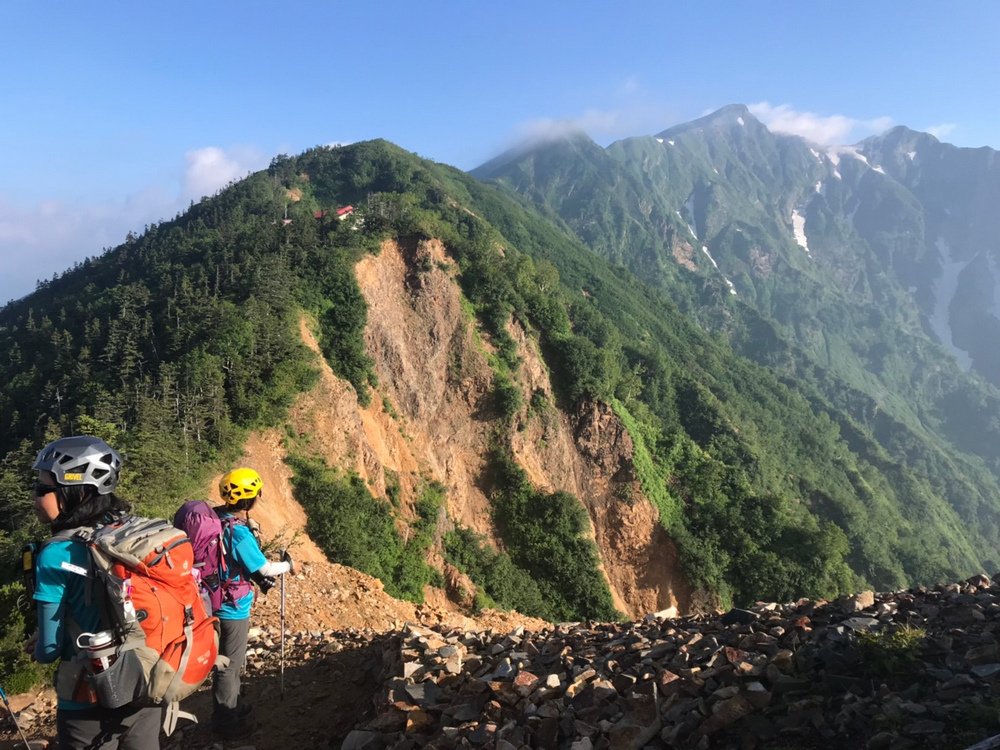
point(61, 575)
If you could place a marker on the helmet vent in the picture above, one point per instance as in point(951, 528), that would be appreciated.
point(81, 460)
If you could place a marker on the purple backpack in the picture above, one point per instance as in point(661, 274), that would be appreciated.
point(205, 529)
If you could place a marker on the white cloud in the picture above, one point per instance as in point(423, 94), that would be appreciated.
point(210, 169)
point(593, 122)
point(631, 110)
point(47, 237)
point(942, 130)
point(822, 129)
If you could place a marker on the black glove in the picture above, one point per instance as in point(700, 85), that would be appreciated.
point(266, 583)
point(287, 557)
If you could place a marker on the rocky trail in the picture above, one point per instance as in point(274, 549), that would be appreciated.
point(912, 669)
point(335, 621)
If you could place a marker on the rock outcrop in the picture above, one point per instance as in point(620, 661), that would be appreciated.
point(913, 669)
point(899, 671)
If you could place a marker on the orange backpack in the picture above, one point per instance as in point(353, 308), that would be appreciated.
point(164, 642)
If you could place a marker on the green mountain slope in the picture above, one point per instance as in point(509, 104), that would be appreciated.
point(750, 198)
point(809, 262)
point(957, 284)
point(176, 342)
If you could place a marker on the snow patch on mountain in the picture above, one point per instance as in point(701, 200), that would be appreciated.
point(835, 153)
point(911, 155)
point(994, 267)
point(740, 121)
point(690, 228)
point(944, 288)
point(853, 152)
point(732, 287)
point(659, 140)
point(799, 230)
point(689, 208)
point(834, 158)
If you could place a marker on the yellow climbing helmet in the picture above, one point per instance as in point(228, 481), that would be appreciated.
point(240, 484)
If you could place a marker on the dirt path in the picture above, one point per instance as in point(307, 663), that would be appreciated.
point(325, 695)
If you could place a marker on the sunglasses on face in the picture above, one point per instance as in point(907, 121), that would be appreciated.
point(44, 489)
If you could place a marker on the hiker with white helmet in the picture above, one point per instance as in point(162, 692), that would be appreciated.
point(244, 562)
point(74, 489)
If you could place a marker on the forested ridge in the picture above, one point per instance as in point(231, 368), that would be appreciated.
point(823, 264)
point(175, 343)
point(715, 214)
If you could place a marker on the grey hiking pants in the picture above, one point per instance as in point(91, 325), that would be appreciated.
point(127, 728)
point(226, 684)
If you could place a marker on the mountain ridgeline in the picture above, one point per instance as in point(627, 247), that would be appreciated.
point(851, 273)
point(784, 413)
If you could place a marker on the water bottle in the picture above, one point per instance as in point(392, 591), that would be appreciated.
point(100, 648)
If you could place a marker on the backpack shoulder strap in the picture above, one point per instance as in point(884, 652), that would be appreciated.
point(230, 522)
point(84, 534)
point(80, 533)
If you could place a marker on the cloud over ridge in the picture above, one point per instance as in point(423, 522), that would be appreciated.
point(827, 130)
point(211, 168)
point(44, 238)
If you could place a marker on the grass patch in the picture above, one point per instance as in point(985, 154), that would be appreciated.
point(891, 652)
point(500, 584)
point(354, 528)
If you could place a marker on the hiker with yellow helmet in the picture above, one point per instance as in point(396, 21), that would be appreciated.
point(244, 562)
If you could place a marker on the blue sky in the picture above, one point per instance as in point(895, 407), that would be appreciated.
point(116, 115)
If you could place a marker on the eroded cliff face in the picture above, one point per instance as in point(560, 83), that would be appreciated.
point(431, 418)
point(433, 369)
point(589, 454)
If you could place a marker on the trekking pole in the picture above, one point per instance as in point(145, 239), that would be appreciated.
point(3, 695)
point(281, 669)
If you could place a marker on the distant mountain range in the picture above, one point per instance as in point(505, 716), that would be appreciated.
point(712, 365)
point(871, 269)
point(900, 223)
